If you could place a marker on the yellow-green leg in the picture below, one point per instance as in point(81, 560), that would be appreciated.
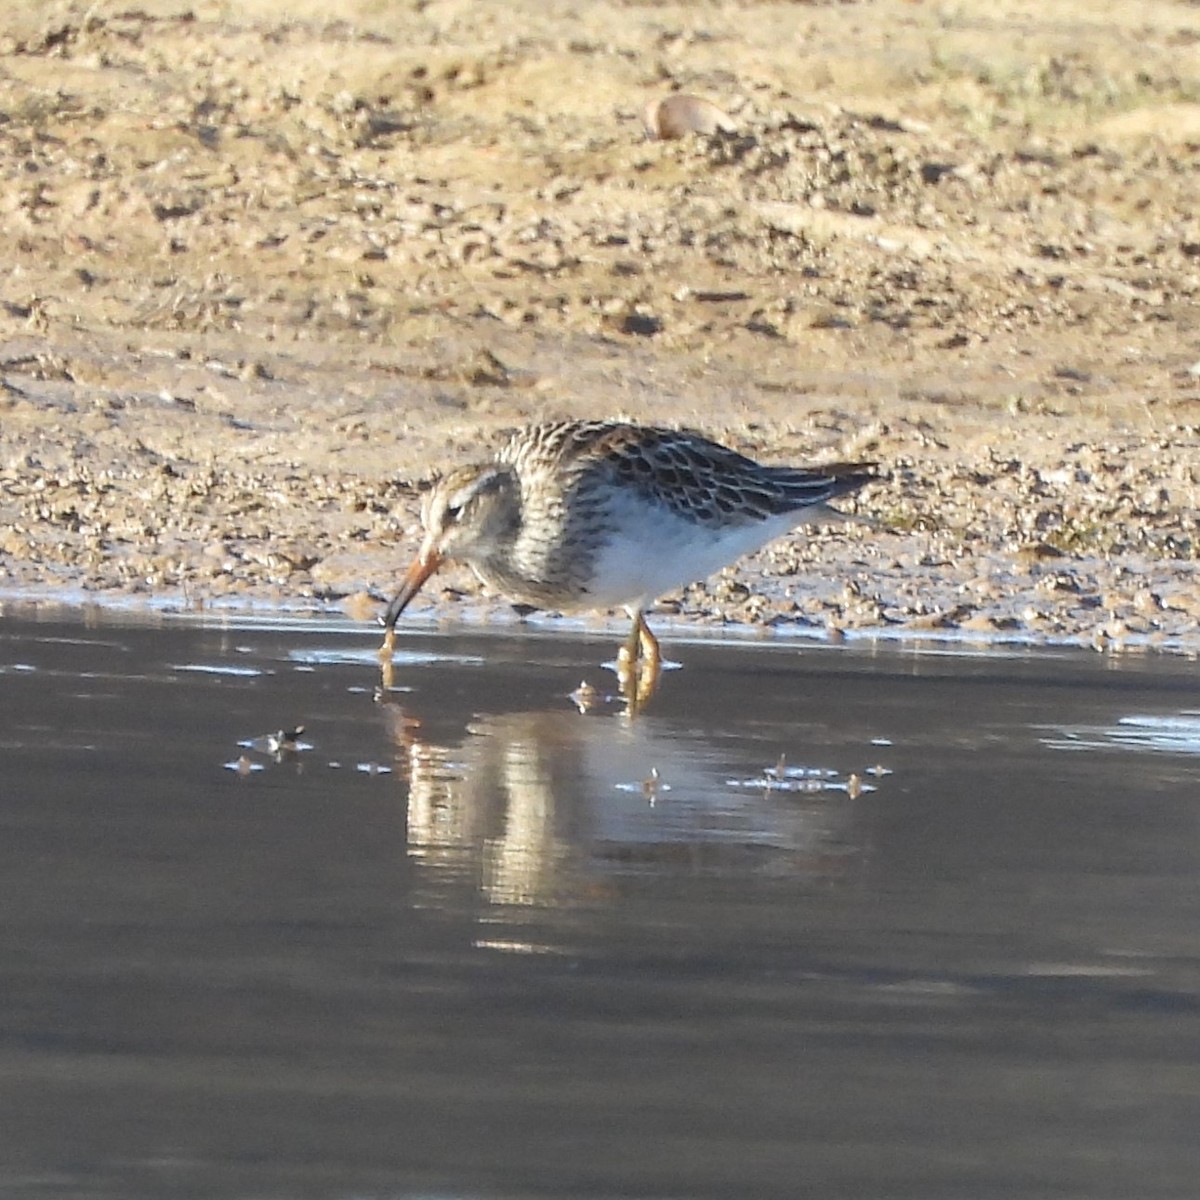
point(648, 644)
point(639, 664)
point(387, 670)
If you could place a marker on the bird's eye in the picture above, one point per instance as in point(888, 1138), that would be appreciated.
point(453, 512)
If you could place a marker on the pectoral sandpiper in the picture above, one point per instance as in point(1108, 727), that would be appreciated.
point(579, 515)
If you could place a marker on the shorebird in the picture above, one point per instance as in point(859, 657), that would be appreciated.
point(579, 515)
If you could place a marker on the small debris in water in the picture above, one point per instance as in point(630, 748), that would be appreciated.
point(651, 787)
point(243, 766)
point(373, 768)
point(279, 744)
point(782, 778)
point(584, 697)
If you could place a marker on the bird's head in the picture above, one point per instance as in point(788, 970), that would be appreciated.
point(466, 515)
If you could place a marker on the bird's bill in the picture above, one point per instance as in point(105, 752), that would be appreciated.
point(414, 578)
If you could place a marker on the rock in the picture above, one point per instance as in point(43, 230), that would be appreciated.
point(677, 115)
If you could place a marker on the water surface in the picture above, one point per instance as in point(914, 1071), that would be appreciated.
point(828, 921)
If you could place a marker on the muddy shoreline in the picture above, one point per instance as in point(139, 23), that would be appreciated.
point(269, 274)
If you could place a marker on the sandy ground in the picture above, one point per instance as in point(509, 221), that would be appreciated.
point(267, 269)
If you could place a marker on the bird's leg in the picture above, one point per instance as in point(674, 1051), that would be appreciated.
point(387, 673)
point(627, 661)
point(631, 647)
point(639, 664)
point(651, 657)
point(389, 644)
point(386, 664)
point(649, 663)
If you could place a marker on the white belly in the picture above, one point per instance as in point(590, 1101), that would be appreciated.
point(646, 558)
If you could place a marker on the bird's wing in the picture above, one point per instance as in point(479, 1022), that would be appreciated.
point(708, 482)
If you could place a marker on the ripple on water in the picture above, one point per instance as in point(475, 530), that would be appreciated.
point(218, 669)
point(369, 655)
point(1157, 733)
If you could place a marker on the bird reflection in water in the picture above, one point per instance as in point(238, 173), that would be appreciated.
point(555, 809)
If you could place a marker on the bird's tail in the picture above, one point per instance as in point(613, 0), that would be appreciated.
point(819, 484)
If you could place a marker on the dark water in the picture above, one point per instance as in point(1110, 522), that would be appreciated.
point(473, 943)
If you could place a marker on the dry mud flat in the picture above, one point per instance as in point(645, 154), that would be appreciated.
point(267, 269)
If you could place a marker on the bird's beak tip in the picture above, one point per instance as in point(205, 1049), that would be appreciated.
point(423, 566)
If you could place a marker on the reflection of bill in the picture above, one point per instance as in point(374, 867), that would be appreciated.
point(535, 807)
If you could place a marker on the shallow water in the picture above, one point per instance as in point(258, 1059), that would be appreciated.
point(829, 921)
